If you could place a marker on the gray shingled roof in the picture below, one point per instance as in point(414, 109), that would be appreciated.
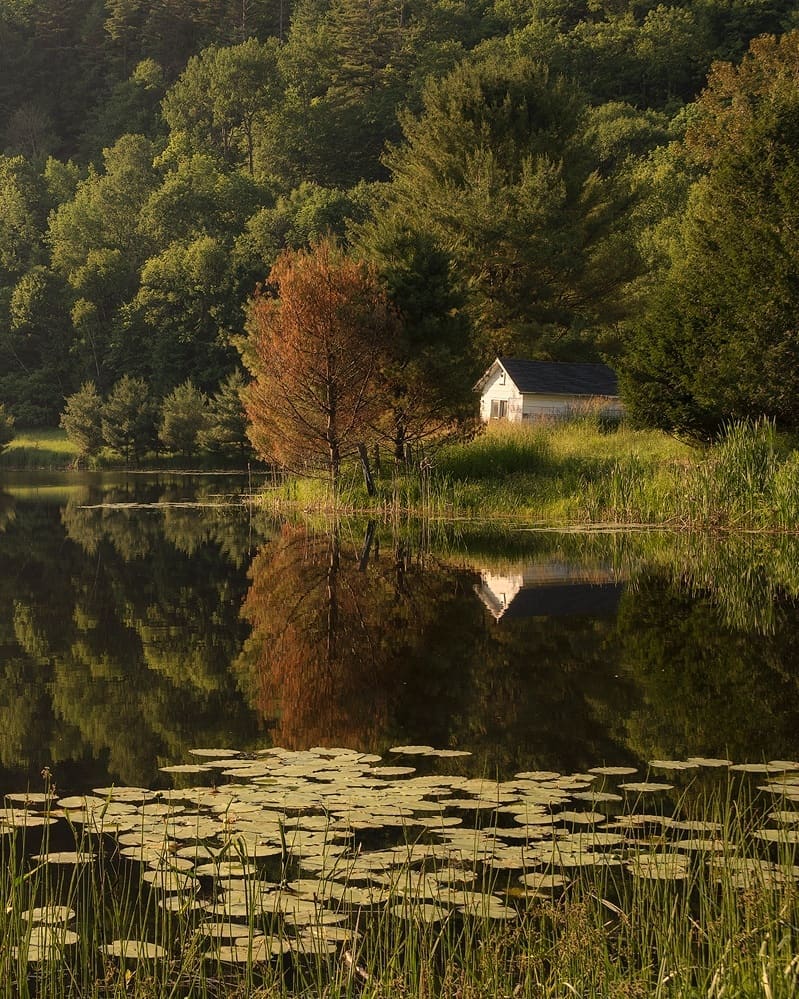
point(561, 377)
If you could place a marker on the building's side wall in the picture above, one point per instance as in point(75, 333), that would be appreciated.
point(539, 407)
point(495, 389)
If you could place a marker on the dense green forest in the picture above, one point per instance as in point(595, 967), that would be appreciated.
point(556, 178)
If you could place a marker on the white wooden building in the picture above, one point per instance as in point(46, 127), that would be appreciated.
point(515, 390)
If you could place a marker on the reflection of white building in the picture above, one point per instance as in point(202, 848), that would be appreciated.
point(550, 588)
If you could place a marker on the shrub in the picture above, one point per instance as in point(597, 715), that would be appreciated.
point(6, 428)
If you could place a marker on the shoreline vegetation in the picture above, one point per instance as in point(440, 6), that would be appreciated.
point(601, 884)
point(579, 474)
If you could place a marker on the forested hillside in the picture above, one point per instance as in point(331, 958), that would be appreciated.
point(532, 176)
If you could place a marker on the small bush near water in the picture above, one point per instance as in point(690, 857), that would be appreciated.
point(683, 885)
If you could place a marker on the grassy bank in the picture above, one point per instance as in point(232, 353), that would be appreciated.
point(579, 473)
point(49, 449)
point(39, 448)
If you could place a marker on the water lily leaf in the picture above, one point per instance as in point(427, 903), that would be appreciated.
point(659, 866)
point(30, 799)
point(673, 765)
point(224, 929)
point(542, 882)
point(709, 761)
point(424, 912)
point(134, 950)
point(48, 915)
point(312, 944)
point(66, 857)
point(580, 818)
point(645, 787)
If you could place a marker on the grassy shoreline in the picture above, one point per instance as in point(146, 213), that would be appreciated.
point(579, 474)
point(48, 449)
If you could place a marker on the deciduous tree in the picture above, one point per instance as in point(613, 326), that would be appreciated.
point(313, 349)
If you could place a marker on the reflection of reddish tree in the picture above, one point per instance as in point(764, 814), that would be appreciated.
point(320, 659)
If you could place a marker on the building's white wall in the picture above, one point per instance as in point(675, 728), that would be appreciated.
point(500, 591)
point(536, 407)
point(494, 389)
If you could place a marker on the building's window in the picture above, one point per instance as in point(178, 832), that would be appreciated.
point(499, 409)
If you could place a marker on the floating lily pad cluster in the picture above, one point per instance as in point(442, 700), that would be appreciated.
point(294, 852)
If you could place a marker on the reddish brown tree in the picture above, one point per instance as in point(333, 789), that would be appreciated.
point(314, 342)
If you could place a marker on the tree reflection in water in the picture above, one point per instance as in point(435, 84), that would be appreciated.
point(129, 636)
point(334, 631)
point(363, 652)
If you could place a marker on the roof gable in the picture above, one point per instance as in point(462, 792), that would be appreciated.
point(561, 377)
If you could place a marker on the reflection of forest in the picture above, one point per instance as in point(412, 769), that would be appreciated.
point(707, 688)
point(117, 629)
point(368, 651)
point(365, 652)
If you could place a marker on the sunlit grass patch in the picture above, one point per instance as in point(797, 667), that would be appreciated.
point(39, 448)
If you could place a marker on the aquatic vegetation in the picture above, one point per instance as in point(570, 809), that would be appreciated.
point(330, 871)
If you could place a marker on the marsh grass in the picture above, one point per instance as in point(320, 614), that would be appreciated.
point(727, 924)
point(578, 472)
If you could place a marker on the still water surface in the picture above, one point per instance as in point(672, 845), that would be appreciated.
point(141, 617)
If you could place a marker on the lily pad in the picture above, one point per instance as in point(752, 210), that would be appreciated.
point(134, 950)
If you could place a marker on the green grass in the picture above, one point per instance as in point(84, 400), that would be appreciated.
point(577, 473)
point(39, 448)
point(49, 449)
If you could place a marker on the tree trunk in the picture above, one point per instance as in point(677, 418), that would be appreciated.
point(400, 437)
point(367, 545)
point(367, 471)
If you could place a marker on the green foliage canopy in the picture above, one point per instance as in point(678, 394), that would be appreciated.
point(720, 339)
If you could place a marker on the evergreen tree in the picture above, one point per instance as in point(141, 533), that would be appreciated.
point(425, 370)
point(720, 338)
point(225, 430)
point(129, 418)
point(498, 170)
point(82, 420)
point(183, 416)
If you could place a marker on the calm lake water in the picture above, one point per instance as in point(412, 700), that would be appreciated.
point(142, 617)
